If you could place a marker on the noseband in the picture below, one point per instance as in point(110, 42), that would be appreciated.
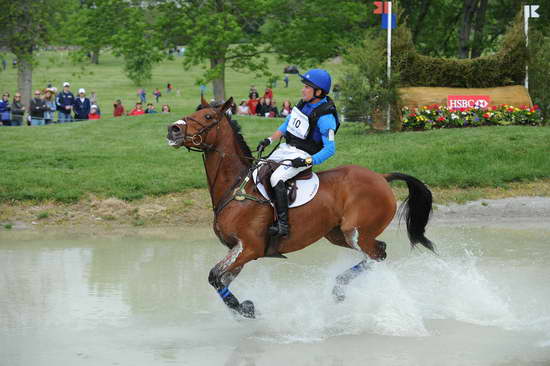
point(197, 139)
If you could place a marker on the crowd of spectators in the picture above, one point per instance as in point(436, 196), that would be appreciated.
point(264, 106)
point(46, 103)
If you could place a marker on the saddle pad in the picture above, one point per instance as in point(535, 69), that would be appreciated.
point(307, 189)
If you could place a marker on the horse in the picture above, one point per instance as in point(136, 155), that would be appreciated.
point(351, 209)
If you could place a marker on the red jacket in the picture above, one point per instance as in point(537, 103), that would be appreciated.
point(119, 111)
point(136, 112)
point(94, 116)
point(252, 104)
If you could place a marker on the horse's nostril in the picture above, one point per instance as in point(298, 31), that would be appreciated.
point(175, 129)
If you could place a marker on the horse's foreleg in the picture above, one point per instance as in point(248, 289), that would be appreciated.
point(224, 273)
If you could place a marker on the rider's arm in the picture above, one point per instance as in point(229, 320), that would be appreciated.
point(282, 128)
point(280, 131)
point(326, 123)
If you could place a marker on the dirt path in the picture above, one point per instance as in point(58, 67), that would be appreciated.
point(527, 202)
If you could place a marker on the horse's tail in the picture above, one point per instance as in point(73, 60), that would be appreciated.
point(416, 208)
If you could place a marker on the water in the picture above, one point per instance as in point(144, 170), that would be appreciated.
point(144, 299)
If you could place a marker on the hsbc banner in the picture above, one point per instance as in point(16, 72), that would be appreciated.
point(468, 101)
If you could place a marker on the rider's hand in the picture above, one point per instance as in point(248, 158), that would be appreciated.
point(263, 144)
point(299, 162)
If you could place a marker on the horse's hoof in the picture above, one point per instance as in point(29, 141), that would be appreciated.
point(246, 309)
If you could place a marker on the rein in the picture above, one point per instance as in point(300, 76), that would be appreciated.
point(238, 193)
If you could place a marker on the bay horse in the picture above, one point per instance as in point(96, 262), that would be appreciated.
point(352, 207)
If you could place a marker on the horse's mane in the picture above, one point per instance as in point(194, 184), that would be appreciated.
point(240, 138)
point(234, 126)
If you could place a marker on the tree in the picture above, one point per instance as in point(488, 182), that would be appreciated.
point(26, 26)
point(473, 18)
point(93, 24)
point(138, 43)
point(218, 31)
point(310, 31)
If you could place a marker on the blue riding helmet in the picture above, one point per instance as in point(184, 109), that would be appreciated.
point(317, 79)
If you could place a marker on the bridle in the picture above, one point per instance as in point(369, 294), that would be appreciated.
point(197, 139)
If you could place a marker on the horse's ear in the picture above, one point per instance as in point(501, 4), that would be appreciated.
point(227, 105)
point(204, 103)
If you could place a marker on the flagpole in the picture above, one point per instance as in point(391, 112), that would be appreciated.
point(526, 15)
point(390, 23)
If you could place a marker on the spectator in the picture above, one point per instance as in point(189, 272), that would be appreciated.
point(252, 105)
point(65, 102)
point(81, 106)
point(150, 109)
point(165, 108)
point(142, 95)
point(37, 109)
point(243, 108)
point(261, 107)
point(286, 108)
point(168, 88)
point(253, 93)
point(5, 109)
point(157, 94)
point(274, 108)
point(138, 110)
point(285, 79)
point(17, 110)
point(268, 93)
point(4, 64)
point(94, 112)
point(49, 99)
point(269, 109)
point(118, 108)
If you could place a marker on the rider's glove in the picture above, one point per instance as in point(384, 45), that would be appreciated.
point(299, 162)
point(263, 144)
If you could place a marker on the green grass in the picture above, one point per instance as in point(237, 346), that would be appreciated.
point(128, 157)
point(110, 83)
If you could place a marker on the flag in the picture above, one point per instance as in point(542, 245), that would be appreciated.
point(385, 21)
point(381, 7)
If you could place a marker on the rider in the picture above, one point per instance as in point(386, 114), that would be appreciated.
point(309, 132)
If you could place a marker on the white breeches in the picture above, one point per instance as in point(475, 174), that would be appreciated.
point(285, 172)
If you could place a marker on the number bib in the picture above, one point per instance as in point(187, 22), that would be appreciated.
point(298, 124)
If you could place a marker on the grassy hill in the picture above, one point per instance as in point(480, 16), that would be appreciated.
point(110, 83)
point(128, 157)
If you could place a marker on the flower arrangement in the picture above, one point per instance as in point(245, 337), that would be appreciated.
point(437, 116)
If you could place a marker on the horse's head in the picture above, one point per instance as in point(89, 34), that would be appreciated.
point(196, 131)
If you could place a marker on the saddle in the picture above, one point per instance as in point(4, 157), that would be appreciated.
point(264, 174)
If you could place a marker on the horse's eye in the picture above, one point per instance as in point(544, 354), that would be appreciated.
point(208, 116)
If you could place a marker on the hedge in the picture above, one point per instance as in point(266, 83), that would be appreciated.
point(506, 67)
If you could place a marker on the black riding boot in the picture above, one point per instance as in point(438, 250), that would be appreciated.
point(280, 228)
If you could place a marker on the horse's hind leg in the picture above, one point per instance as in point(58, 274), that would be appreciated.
point(223, 273)
point(374, 249)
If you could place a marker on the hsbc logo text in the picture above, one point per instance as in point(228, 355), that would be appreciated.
point(468, 101)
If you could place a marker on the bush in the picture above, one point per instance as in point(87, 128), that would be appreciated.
point(366, 90)
point(506, 67)
point(539, 64)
